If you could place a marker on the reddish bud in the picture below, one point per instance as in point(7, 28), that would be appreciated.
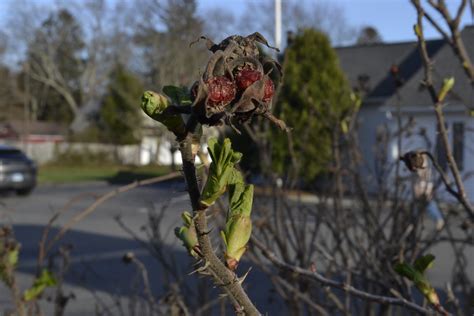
point(221, 91)
point(394, 70)
point(269, 90)
point(246, 77)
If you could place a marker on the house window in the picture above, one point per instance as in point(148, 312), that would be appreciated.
point(458, 144)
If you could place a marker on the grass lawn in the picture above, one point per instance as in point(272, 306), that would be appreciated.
point(110, 173)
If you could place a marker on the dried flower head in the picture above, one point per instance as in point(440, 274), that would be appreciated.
point(414, 160)
point(238, 82)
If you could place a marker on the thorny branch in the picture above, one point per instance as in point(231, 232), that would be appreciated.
point(222, 276)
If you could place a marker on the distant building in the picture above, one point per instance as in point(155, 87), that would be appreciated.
point(390, 77)
point(32, 132)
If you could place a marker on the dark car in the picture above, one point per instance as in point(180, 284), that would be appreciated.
point(17, 171)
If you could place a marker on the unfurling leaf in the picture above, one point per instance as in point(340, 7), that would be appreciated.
point(424, 262)
point(220, 170)
point(416, 275)
point(407, 271)
point(155, 105)
point(238, 227)
point(447, 86)
point(46, 279)
point(187, 234)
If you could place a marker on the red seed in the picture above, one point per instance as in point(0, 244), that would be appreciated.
point(221, 90)
point(246, 77)
point(269, 90)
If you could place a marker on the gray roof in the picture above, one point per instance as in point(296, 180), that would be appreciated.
point(374, 62)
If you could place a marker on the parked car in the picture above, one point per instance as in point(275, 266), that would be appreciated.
point(17, 171)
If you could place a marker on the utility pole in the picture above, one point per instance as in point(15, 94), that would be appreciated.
point(278, 24)
point(26, 106)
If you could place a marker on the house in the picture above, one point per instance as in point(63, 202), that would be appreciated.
point(37, 139)
point(31, 132)
point(390, 76)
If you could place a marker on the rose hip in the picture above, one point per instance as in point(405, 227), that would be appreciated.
point(246, 77)
point(269, 90)
point(221, 90)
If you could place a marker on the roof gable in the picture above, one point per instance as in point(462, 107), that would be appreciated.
point(375, 62)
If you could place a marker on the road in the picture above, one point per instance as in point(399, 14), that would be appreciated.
point(98, 241)
point(97, 273)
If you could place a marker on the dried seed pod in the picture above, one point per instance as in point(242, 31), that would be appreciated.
point(414, 160)
point(236, 84)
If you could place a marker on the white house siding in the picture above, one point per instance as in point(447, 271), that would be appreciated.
point(369, 120)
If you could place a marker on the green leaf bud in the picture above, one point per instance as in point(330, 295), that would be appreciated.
point(154, 105)
point(187, 234)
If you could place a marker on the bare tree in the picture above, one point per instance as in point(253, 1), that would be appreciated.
point(165, 31)
point(94, 33)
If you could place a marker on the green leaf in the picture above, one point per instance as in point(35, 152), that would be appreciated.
point(221, 170)
point(415, 274)
point(406, 271)
point(447, 86)
point(424, 262)
point(179, 95)
point(46, 279)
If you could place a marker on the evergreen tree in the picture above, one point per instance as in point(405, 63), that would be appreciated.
point(119, 113)
point(314, 98)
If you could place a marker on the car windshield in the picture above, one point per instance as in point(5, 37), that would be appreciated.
point(10, 153)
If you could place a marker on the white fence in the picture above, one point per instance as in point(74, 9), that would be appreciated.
point(150, 150)
point(44, 152)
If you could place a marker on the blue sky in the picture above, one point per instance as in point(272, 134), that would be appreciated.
point(393, 18)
